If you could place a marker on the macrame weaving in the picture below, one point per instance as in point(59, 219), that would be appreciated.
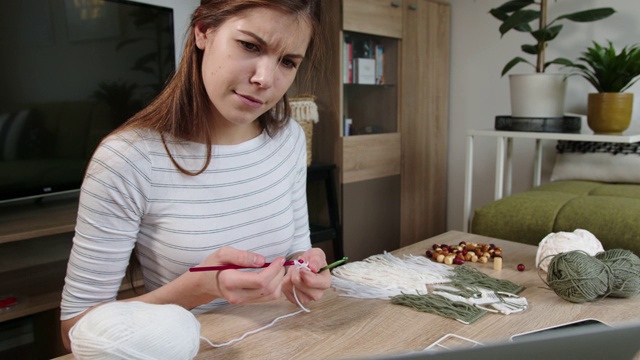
point(405, 281)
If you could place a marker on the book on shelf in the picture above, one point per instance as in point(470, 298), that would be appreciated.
point(348, 122)
point(347, 63)
point(364, 71)
point(379, 57)
point(362, 61)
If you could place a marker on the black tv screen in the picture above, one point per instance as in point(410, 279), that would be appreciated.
point(71, 71)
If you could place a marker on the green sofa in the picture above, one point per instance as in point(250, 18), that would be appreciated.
point(611, 211)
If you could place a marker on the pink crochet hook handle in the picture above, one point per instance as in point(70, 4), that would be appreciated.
point(233, 267)
point(286, 263)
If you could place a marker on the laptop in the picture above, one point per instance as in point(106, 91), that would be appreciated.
point(584, 342)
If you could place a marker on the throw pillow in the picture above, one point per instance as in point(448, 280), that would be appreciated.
point(597, 161)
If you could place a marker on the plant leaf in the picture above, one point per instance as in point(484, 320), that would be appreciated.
point(499, 14)
point(530, 49)
point(515, 5)
point(608, 70)
point(518, 19)
point(547, 34)
point(588, 15)
point(513, 63)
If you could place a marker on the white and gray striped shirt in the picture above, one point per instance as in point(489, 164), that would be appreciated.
point(251, 197)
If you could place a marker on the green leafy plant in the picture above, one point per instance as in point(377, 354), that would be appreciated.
point(608, 70)
point(517, 15)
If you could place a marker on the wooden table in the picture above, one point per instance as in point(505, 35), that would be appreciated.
point(340, 327)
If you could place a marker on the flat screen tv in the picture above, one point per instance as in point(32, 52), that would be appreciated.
point(71, 71)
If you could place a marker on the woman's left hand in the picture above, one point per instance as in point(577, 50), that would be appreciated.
point(309, 285)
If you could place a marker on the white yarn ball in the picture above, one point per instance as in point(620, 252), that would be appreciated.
point(556, 243)
point(136, 330)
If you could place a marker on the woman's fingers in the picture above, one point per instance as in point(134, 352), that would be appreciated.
point(244, 287)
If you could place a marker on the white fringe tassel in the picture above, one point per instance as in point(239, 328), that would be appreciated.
point(304, 109)
point(383, 276)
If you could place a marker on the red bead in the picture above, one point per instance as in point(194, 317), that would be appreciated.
point(520, 267)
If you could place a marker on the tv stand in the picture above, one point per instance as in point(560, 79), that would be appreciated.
point(24, 221)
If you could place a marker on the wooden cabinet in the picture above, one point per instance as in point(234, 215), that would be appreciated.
point(375, 17)
point(424, 122)
point(392, 164)
point(35, 241)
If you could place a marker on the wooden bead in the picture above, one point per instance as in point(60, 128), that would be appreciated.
point(448, 260)
point(497, 263)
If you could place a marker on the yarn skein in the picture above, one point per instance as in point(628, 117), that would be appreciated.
point(625, 266)
point(579, 277)
point(136, 331)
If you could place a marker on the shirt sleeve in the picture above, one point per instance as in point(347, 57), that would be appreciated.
point(302, 240)
point(112, 203)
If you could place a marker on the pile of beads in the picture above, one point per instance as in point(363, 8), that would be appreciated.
point(458, 254)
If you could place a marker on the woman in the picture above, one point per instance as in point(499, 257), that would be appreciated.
point(212, 172)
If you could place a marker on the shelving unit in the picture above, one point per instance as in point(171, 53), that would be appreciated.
point(392, 166)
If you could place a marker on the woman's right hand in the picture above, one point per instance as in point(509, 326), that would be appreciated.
point(242, 287)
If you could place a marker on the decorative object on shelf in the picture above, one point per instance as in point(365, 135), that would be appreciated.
point(611, 73)
point(527, 88)
point(305, 111)
point(537, 95)
point(565, 124)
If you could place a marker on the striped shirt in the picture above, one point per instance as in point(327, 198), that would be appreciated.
point(252, 197)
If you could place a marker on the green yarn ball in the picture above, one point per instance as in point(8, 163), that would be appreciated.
point(579, 277)
point(625, 266)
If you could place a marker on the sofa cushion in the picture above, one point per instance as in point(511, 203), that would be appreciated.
point(630, 191)
point(609, 211)
point(576, 187)
point(525, 217)
point(612, 219)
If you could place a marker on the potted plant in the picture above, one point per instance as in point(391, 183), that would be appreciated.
point(611, 73)
point(526, 88)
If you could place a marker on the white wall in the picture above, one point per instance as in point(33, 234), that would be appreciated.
point(478, 93)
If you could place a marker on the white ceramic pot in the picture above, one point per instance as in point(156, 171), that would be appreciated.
point(537, 95)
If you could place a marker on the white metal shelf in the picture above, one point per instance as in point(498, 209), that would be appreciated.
point(504, 151)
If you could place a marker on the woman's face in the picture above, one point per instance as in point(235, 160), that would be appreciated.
point(250, 61)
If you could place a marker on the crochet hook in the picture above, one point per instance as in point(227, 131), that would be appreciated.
point(234, 267)
point(334, 264)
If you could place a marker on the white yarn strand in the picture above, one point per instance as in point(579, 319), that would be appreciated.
point(384, 275)
point(299, 265)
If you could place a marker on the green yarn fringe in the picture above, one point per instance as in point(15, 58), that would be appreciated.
point(439, 305)
point(466, 279)
point(465, 276)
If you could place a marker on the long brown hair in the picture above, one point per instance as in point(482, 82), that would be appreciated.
point(183, 109)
